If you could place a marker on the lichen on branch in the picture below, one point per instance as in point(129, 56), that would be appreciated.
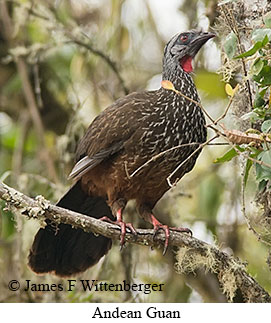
point(193, 253)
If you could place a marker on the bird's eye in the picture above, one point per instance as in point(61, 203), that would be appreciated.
point(183, 38)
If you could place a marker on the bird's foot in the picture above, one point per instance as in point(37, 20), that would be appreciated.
point(159, 226)
point(122, 226)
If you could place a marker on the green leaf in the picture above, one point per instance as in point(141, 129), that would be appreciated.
point(264, 77)
point(260, 112)
point(249, 163)
point(257, 78)
point(257, 66)
point(259, 101)
point(266, 80)
point(266, 126)
point(261, 38)
point(262, 185)
point(255, 152)
point(265, 40)
point(265, 156)
point(251, 51)
point(263, 172)
point(229, 155)
point(262, 92)
point(253, 116)
point(267, 20)
point(261, 35)
point(230, 45)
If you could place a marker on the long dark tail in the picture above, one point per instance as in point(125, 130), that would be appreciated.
point(67, 251)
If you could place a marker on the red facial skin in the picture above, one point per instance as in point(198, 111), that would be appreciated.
point(186, 64)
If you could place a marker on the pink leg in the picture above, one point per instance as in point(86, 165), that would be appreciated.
point(122, 226)
point(159, 226)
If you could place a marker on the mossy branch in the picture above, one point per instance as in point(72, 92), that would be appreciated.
point(193, 253)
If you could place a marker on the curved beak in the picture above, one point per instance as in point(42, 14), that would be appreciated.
point(198, 41)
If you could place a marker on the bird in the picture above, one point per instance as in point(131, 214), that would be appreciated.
point(122, 138)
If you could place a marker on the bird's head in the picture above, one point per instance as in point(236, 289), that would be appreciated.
point(183, 47)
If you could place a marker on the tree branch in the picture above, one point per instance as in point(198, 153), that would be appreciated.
point(105, 57)
point(218, 261)
point(30, 97)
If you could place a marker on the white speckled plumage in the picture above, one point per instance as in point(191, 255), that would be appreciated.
point(142, 125)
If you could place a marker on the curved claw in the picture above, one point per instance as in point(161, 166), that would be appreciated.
point(123, 227)
point(165, 228)
point(159, 226)
point(122, 233)
point(132, 228)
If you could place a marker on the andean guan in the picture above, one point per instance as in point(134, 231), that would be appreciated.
point(123, 137)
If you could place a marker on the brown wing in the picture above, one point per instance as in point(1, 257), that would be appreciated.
point(108, 132)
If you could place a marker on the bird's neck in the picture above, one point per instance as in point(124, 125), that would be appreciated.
point(178, 77)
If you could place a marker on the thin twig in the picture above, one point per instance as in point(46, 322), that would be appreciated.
point(158, 156)
point(241, 48)
point(37, 85)
point(224, 114)
point(30, 98)
point(20, 142)
point(218, 144)
point(166, 151)
point(36, 118)
point(30, 10)
point(260, 162)
point(88, 46)
point(169, 86)
point(183, 162)
point(105, 57)
point(234, 28)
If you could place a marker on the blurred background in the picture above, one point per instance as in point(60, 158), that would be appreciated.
point(61, 63)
